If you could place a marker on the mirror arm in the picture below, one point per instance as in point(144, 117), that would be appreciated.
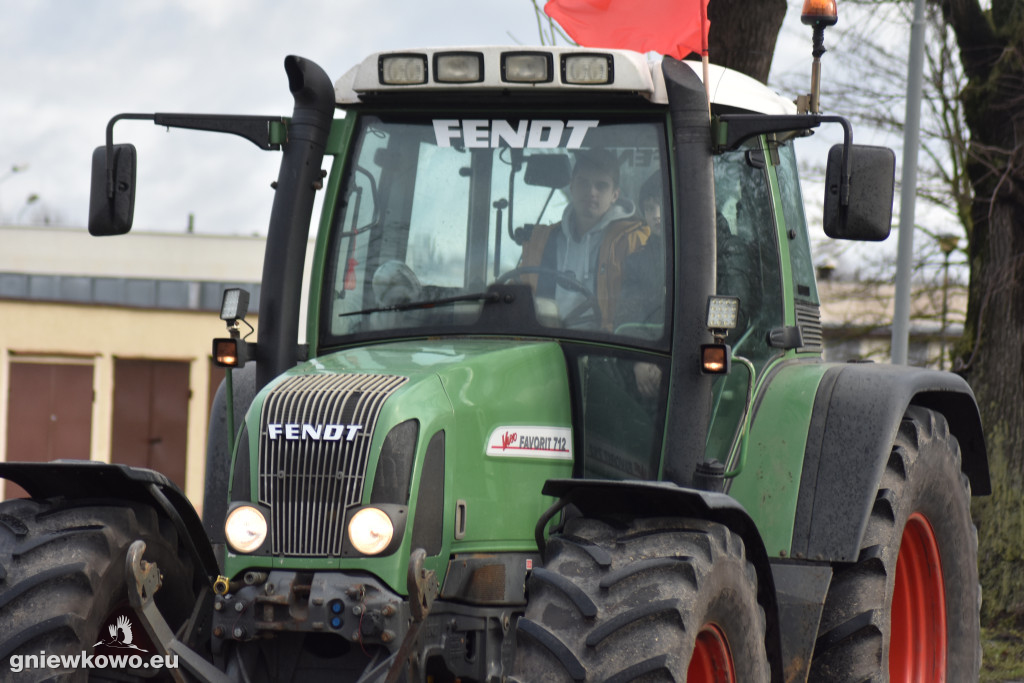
point(844, 177)
point(110, 146)
point(738, 128)
point(255, 129)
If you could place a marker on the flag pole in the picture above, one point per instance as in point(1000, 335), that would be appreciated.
point(704, 50)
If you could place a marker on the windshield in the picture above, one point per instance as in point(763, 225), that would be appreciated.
point(507, 226)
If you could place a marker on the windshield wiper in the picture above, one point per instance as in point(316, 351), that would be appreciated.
point(491, 297)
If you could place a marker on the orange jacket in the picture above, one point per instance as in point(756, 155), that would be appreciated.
point(621, 238)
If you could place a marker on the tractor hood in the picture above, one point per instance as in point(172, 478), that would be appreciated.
point(453, 438)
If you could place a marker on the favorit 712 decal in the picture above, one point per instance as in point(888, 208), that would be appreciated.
point(531, 442)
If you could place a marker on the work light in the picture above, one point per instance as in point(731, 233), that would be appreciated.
point(587, 69)
point(526, 67)
point(458, 67)
point(234, 304)
point(406, 69)
point(723, 312)
point(723, 315)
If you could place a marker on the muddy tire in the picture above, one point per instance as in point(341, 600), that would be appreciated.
point(908, 609)
point(62, 576)
point(657, 600)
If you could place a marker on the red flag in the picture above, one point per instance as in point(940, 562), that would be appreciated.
point(668, 27)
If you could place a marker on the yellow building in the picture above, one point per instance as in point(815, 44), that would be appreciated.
point(105, 344)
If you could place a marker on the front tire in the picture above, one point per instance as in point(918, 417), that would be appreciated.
point(63, 576)
point(908, 609)
point(652, 600)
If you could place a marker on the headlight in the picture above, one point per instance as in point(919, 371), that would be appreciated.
point(370, 530)
point(245, 529)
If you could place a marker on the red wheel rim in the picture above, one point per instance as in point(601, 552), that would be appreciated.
point(917, 647)
point(711, 661)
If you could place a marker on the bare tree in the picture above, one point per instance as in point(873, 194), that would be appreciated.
point(991, 51)
point(743, 34)
point(549, 32)
point(972, 170)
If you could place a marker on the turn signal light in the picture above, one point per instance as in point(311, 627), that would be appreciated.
point(228, 353)
point(715, 359)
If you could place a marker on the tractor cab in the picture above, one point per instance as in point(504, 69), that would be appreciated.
point(464, 218)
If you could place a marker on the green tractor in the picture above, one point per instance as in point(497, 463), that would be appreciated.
point(561, 413)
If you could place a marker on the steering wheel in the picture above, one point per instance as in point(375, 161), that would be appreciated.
point(576, 315)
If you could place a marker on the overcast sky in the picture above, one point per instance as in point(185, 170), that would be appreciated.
point(69, 65)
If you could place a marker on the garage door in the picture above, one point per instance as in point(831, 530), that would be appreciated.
point(150, 426)
point(49, 412)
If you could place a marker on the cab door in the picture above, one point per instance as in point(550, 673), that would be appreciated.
point(748, 267)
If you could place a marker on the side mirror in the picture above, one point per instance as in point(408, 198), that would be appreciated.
point(866, 215)
point(112, 195)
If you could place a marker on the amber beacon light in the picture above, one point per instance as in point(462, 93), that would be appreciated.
point(819, 13)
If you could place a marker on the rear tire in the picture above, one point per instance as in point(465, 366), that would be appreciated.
point(657, 600)
point(62, 577)
point(908, 609)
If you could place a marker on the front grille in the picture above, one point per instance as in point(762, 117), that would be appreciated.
point(310, 470)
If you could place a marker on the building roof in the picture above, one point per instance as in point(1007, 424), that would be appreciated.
point(172, 256)
point(139, 270)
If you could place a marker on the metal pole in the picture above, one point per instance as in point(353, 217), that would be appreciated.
point(908, 190)
point(945, 310)
point(947, 244)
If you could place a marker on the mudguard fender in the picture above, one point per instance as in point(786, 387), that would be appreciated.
point(77, 479)
point(856, 414)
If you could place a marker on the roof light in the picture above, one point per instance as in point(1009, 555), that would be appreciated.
point(526, 67)
point(819, 13)
point(407, 69)
point(587, 69)
point(459, 67)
